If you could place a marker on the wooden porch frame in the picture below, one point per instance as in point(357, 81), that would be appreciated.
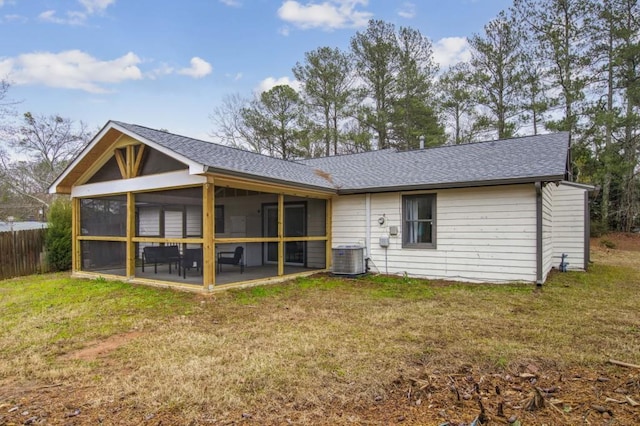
point(208, 240)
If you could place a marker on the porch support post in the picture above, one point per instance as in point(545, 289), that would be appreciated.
point(76, 259)
point(280, 234)
point(131, 230)
point(329, 233)
point(208, 234)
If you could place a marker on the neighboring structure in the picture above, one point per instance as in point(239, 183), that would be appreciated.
point(8, 226)
point(495, 211)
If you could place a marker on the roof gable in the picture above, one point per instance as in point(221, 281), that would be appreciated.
point(233, 161)
point(99, 152)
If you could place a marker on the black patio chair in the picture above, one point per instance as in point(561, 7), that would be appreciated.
point(191, 258)
point(231, 258)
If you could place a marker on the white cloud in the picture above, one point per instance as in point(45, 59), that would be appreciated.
point(451, 50)
point(232, 3)
point(198, 69)
point(72, 17)
point(270, 82)
point(408, 10)
point(284, 31)
point(328, 15)
point(14, 18)
point(235, 77)
point(162, 70)
point(96, 6)
point(71, 69)
point(76, 17)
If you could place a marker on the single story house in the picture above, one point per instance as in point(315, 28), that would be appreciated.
point(150, 206)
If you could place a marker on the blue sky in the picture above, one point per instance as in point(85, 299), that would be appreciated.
point(167, 64)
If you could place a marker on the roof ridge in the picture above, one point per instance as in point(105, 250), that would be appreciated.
point(505, 140)
point(212, 143)
point(349, 154)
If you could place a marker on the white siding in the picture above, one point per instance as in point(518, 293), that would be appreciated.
point(194, 221)
point(348, 220)
point(173, 224)
point(569, 226)
point(148, 225)
point(149, 221)
point(194, 224)
point(547, 228)
point(482, 234)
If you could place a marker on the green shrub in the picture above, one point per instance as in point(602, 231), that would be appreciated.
point(58, 240)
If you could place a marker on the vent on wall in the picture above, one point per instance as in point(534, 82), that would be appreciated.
point(348, 260)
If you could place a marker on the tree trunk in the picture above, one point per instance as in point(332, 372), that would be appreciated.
point(606, 181)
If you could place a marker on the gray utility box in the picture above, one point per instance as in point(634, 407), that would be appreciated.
point(348, 260)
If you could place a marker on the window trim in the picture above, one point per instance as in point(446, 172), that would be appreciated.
point(434, 209)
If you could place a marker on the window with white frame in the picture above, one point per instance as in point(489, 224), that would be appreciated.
point(419, 221)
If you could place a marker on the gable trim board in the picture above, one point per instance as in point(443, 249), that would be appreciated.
point(167, 180)
point(503, 212)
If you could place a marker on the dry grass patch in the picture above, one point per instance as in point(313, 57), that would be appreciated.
point(328, 350)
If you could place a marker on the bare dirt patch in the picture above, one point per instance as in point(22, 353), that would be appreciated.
point(617, 241)
point(103, 348)
point(617, 249)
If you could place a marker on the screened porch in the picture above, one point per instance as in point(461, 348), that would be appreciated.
point(159, 236)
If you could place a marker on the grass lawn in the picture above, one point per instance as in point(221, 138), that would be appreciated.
point(325, 350)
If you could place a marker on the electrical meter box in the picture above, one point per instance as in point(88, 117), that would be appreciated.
point(384, 241)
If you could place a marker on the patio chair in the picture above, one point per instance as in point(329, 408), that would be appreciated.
point(192, 258)
point(231, 258)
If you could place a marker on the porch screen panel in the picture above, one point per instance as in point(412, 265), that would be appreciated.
point(194, 221)
point(316, 217)
point(316, 254)
point(173, 224)
point(241, 212)
point(104, 216)
point(108, 257)
point(170, 214)
point(148, 225)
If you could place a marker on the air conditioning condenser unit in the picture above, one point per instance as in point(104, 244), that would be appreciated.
point(348, 260)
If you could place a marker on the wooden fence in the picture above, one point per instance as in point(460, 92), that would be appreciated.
point(22, 253)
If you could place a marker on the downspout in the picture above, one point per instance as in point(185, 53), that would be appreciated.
point(539, 273)
point(587, 231)
point(367, 225)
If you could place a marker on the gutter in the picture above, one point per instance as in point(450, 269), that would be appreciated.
point(539, 266)
point(450, 185)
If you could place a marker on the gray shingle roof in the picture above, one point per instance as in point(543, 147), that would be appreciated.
point(524, 159)
point(530, 158)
